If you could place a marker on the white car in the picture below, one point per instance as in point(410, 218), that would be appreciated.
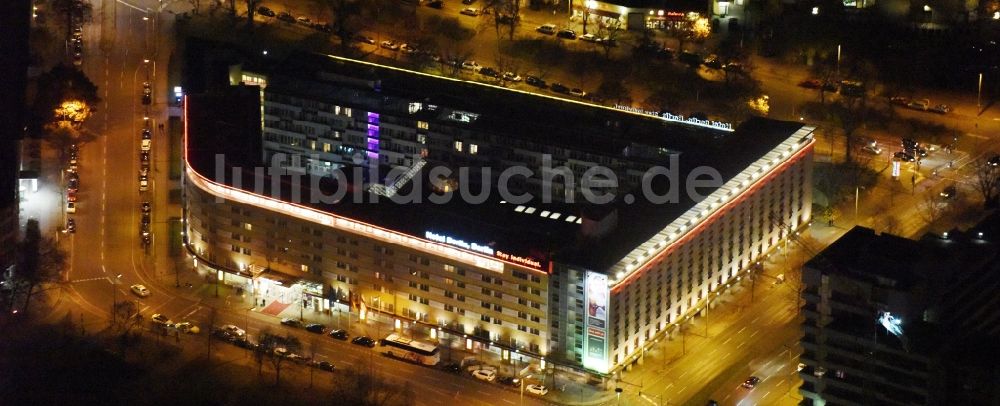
point(511, 76)
point(549, 29)
point(143, 183)
point(147, 144)
point(236, 331)
point(392, 46)
point(187, 328)
point(537, 390)
point(485, 374)
point(872, 149)
point(161, 319)
point(70, 208)
point(471, 65)
point(140, 290)
point(470, 11)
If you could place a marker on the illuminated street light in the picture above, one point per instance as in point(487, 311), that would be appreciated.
point(815, 11)
point(927, 8)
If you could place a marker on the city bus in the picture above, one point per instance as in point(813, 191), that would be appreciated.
point(397, 346)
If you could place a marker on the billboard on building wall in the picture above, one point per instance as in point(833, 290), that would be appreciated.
point(596, 343)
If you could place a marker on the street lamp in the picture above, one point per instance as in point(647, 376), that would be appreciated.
point(618, 395)
point(838, 61)
point(979, 96)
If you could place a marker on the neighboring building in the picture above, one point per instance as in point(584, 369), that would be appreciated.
point(15, 17)
point(637, 15)
point(589, 285)
point(892, 321)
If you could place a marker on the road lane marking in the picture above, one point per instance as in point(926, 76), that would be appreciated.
point(92, 279)
point(508, 401)
point(727, 340)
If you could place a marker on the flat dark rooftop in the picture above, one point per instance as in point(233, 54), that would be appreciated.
point(220, 122)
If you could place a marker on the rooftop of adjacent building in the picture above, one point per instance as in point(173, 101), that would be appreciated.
point(227, 119)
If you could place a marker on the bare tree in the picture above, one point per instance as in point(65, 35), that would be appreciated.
point(609, 33)
point(251, 12)
point(365, 388)
point(987, 181)
point(276, 349)
point(343, 15)
point(932, 209)
point(40, 260)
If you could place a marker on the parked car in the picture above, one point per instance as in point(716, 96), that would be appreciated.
point(390, 45)
point(304, 21)
point(922, 104)
point(588, 37)
point(160, 319)
point(485, 375)
point(994, 160)
point(187, 328)
point(511, 77)
point(70, 208)
point(468, 2)
point(286, 17)
point(471, 65)
point(548, 29)
point(909, 143)
point(140, 290)
point(70, 226)
point(146, 144)
point(948, 192)
point(452, 367)
point(339, 334)
point(408, 49)
point(233, 330)
point(535, 81)
point(577, 92)
point(751, 382)
point(143, 183)
point(487, 71)
point(690, 58)
point(537, 389)
point(146, 208)
point(712, 61)
point(364, 39)
point(264, 11)
point(470, 11)
point(566, 34)
point(291, 322)
point(872, 148)
point(559, 88)
point(316, 328)
point(146, 134)
point(74, 182)
point(326, 366)
point(941, 109)
point(509, 381)
point(899, 100)
point(363, 341)
point(438, 4)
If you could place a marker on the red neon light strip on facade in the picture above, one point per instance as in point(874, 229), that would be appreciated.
point(191, 170)
point(710, 219)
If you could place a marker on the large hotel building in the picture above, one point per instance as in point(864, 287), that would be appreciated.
point(580, 283)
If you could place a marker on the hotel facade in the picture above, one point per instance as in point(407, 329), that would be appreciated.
point(583, 285)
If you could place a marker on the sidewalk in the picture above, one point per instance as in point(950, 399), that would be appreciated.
point(564, 387)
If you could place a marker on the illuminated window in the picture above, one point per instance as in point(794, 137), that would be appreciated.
point(305, 268)
point(247, 226)
point(473, 149)
point(458, 146)
point(415, 107)
point(326, 147)
point(312, 145)
point(347, 111)
point(421, 138)
point(423, 125)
